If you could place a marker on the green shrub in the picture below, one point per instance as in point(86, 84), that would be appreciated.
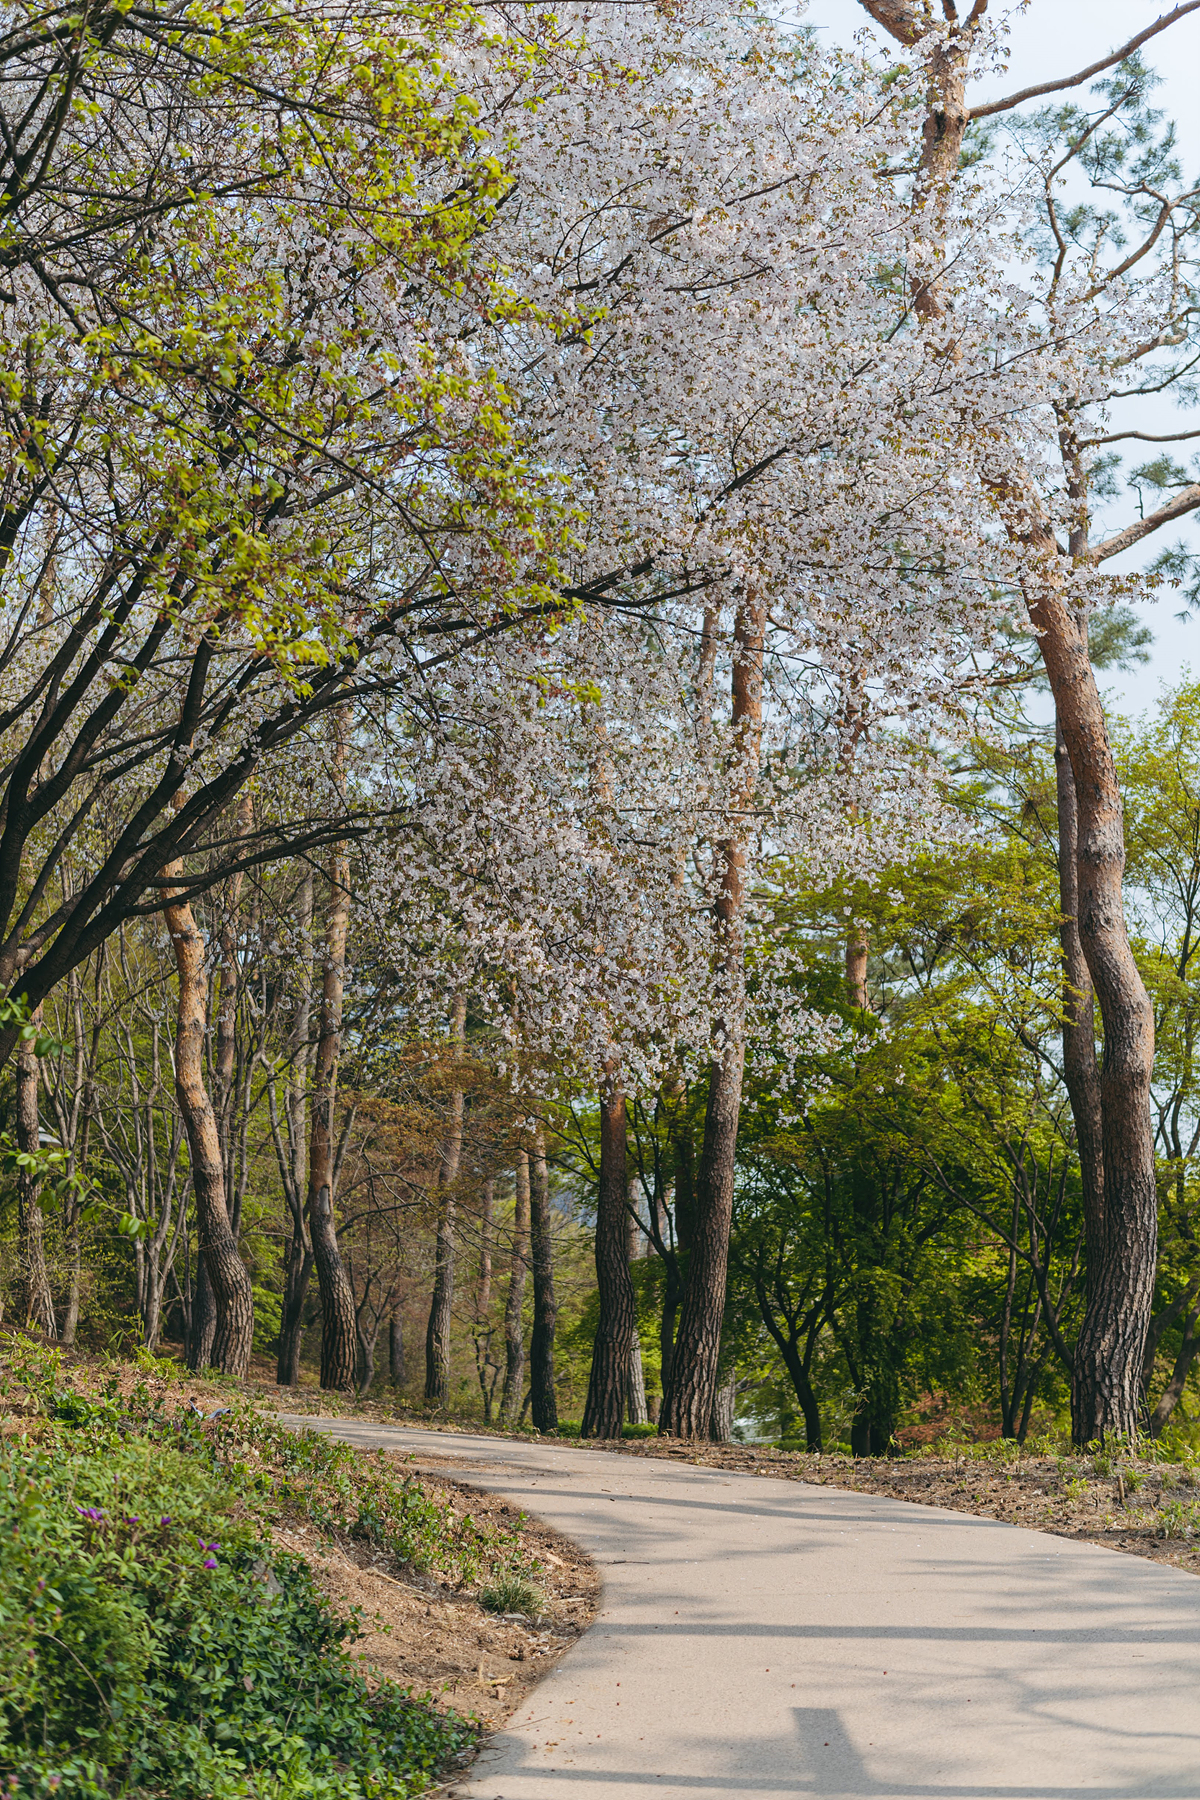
point(639, 1431)
point(155, 1644)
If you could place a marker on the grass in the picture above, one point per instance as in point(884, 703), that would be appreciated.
point(156, 1643)
point(510, 1594)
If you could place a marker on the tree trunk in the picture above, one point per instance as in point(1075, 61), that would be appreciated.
point(292, 1155)
point(689, 1397)
point(1105, 1386)
point(232, 1294)
point(485, 1367)
point(608, 1385)
point(202, 1323)
point(635, 1399)
point(638, 1409)
point(225, 1052)
point(37, 1302)
point(437, 1335)
point(396, 1349)
point(1106, 1382)
point(857, 949)
point(339, 1336)
point(514, 1339)
point(1080, 1067)
point(542, 1398)
point(721, 1428)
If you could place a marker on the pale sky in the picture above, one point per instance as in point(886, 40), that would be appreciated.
point(1058, 37)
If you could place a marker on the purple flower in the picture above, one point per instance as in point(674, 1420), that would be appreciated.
point(210, 1562)
point(90, 1512)
point(164, 1522)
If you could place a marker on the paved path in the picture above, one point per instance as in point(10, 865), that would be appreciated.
point(759, 1637)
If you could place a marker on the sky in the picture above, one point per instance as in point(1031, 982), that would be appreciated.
point(1052, 38)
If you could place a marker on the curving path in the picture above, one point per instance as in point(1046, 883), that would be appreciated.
point(759, 1637)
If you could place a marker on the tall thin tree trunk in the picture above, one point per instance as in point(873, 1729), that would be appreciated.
point(232, 1294)
point(482, 1331)
point(542, 1398)
point(396, 1348)
point(292, 1154)
point(37, 1301)
point(608, 1384)
point(225, 1050)
point(339, 1336)
point(1080, 1066)
point(635, 1399)
point(437, 1334)
point(689, 1397)
point(514, 1339)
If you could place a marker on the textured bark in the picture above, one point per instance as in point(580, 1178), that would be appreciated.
point(232, 1294)
point(291, 1150)
point(485, 1366)
point(514, 1338)
point(437, 1334)
point(690, 1394)
point(1106, 1379)
point(608, 1383)
point(37, 1301)
point(1106, 1382)
point(543, 1402)
point(721, 1428)
point(857, 948)
point(339, 1336)
point(635, 1400)
point(1080, 1067)
point(396, 1349)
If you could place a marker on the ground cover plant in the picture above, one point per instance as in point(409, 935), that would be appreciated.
point(155, 1639)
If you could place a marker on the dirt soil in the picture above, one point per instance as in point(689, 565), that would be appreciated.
point(444, 1643)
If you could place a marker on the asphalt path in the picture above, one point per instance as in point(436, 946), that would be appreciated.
point(760, 1637)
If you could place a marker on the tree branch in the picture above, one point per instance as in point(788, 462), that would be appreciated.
point(1056, 87)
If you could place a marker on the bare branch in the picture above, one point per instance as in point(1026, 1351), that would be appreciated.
point(1056, 87)
point(1185, 502)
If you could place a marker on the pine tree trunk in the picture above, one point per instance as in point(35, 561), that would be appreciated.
point(690, 1396)
point(232, 1294)
point(723, 1411)
point(542, 1398)
point(1080, 1066)
point(202, 1317)
point(635, 1400)
point(339, 1334)
point(608, 1385)
point(1105, 1386)
point(37, 1301)
point(437, 1335)
point(639, 1413)
point(514, 1339)
point(1106, 1380)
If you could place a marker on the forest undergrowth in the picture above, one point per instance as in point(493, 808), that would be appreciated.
point(173, 1584)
